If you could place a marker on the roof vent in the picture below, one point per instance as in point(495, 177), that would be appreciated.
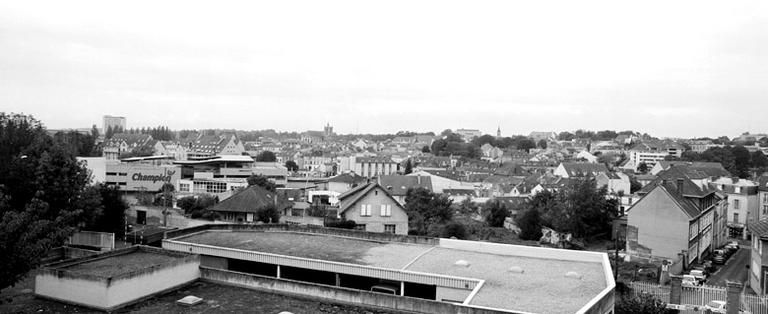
point(462, 263)
point(573, 274)
point(189, 300)
point(516, 270)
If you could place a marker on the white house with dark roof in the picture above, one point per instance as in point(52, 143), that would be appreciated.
point(398, 185)
point(373, 209)
point(579, 169)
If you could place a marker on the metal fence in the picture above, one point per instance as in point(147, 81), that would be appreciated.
point(103, 240)
point(701, 295)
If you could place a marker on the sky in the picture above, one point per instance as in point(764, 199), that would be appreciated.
point(667, 68)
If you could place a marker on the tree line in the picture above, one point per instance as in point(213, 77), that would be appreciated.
point(736, 159)
point(45, 196)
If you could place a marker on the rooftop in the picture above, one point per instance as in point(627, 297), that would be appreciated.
point(542, 287)
point(124, 262)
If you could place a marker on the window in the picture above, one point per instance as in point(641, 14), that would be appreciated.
point(735, 204)
point(737, 189)
point(389, 228)
point(184, 187)
point(360, 227)
point(365, 210)
point(736, 217)
point(765, 209)
point(386, 210)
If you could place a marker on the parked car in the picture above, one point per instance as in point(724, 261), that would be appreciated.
point(699, 274)
point(733, 245)
point(719, 259)
point(690, 281)
point(648, 272)
point(718, 306)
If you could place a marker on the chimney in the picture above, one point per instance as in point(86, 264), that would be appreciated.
point(680, 186)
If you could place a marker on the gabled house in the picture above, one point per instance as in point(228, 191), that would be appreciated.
point(762, 197)
point(123, 143)
point(398, 185)
point(675, 218)
point(373, 209)
point(579, 169)
point(743, 207)
point(244, 205)
point(213, 145)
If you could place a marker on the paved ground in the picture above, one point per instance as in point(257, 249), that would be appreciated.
point(733, 270)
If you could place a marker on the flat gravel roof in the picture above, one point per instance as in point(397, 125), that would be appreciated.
point(120, 264)
point(542, 287)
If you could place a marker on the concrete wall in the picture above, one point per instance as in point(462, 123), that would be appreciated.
point(125, 291)
point(453, 294)
point(661, 226)
point(375, 222)
point(341, 295)
point(109, 293)
point(86, 292)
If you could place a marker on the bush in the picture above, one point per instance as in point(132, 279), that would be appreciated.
point(454, 229)
point(529, 222)
point(495, 213)
point(268, 214)
point(343, 224)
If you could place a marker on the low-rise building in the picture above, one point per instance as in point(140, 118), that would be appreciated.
point(373, 209)
point(375, 166)
point(758, 261)
point(245, 205)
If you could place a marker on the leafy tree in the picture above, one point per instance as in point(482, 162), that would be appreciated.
point(112, 217)
point(94, 132)
point(581, 209)
point(759, 160)
point(565, 136)
point(79, 144)
point(291, 165)
point(262, 181)
point(408, 167)
point(543, 144)
point(199, 207)
point(495, 213)
point(526, 145)
point(742, 160)
point(484, 139)
point(446, 132)
point(425, 209)
point(425, 149)
point(266, 156)
point(529, 222)
point(109, 132)
point(642, 167)
point(42, 194)
point(268, 214)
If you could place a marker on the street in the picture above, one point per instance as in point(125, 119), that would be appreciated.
point(733, 270)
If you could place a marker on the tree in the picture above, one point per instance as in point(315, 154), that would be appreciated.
point(581, 209)
point(641, 304)
point(425, 149)
point(565, 136)
point(109, 132)
point(759, 160)
point(42, 191)
point(198, 207)
point(426, 209)
point(742, 160)
point(112, 217)
point(408, 167)
point(262, 181)
point(291, 165)
point(642, 167)
point(543, 144)
point(266, 156)
point(446, 132)
point(495, 213)
point(529, 222)
point(268, 214)
point(94, 132)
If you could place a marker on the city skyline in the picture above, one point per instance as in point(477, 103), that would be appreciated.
point(368, 68)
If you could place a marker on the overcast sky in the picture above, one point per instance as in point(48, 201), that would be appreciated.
point(669, 68)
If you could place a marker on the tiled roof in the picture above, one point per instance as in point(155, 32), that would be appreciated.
point(349, 177)
point(358, 193)
point(672, 175)
point(400, 184)
point(670, 188)
point(579, 169)
point(250, 200)
point(759, 228)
